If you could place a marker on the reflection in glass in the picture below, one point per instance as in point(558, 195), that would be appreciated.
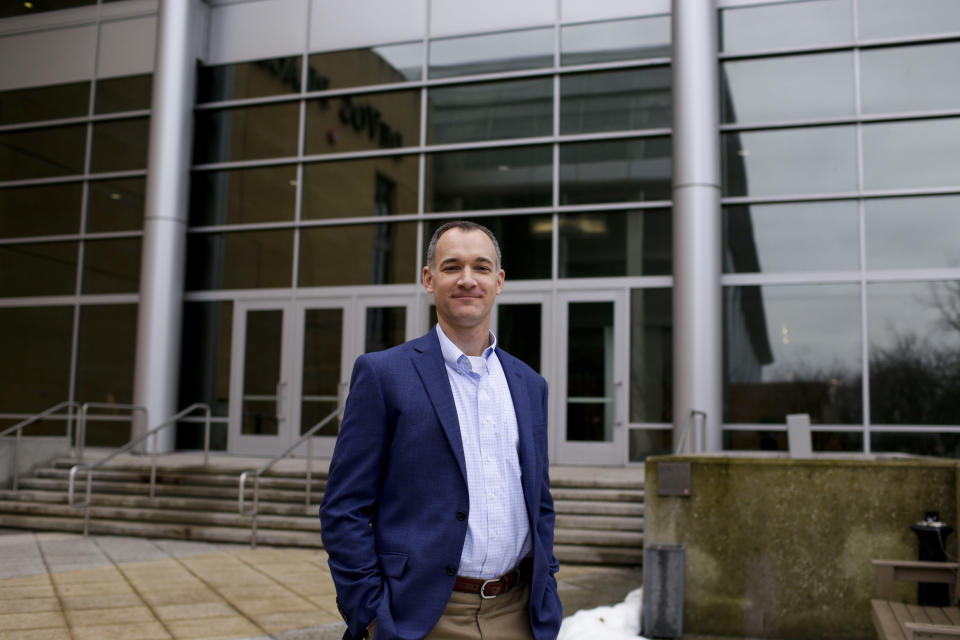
point(271, 77)
point(40, 336)
point(650, 442)
point(119, 145)
point(913, 78)
point(787, 88)
point(362, 67)
point(38, 211)
point(827, 441)
point(792, 349)
point(518, 331)
point(497, 52)
point(127, 93)
point(913, 233)
point(383, 253)
point(501, 178)
point(205, 367)
point(10, 9)
point(616, 171)
point(785, 25)
point(246, 133)
point(944, 445)
point(914, 348)
point(590, 393)
point(42, 269)
point(524, 243)
point(919, 153)
point(363, 122)
point(615, 243)
point(789, 161)
point(116, 205)
point(651, 355)
point(241, 196)
point(111, 266)
point(615, 40)
point(615, 100)
point(44, 103)
point(386, 327)
point(490, 111)
point(239, 260)
point(262, 372)
point(766, 238)
point(42, 153)
point(322, 335)
point(891, 18)
point(369, 187)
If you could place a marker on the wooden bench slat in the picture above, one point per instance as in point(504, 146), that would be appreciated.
point(919, 614)
point(885, 620)
point(953, 614)
point(919, 631)
point(938, 616)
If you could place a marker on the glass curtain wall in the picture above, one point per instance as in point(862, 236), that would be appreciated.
point(841, 124)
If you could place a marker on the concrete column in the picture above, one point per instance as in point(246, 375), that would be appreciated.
point(165, 223)
point(697, 303)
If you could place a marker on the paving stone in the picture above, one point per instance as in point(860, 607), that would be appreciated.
point(225, 627)
point(168, 596)
point(31, 620)
point(259, 606)
point(139, 631)
point(198, 610)
point(37, 634)
point(273, 622)
point(86, 576)
point(29, 605)
point(96, 617)
point(19, 593)
point(100, 601)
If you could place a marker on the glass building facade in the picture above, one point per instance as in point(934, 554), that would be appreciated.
point(326, 148)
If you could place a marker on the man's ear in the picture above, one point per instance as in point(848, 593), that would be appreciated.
point(427, 278)
point(500, 277)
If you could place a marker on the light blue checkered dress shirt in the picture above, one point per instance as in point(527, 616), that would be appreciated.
point(498, 531)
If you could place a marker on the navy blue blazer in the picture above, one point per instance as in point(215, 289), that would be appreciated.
point(394, 514)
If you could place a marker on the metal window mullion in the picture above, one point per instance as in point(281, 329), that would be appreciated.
point(842, 46)
point(422, 161)
point(855, 118)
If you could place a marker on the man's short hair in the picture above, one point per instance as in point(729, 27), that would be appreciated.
point(463, 225)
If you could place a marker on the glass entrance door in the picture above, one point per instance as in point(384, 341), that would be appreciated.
point(520, 322)
point(590, 410)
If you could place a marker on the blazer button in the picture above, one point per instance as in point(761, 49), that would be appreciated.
point(451, 570)
point(461, 516)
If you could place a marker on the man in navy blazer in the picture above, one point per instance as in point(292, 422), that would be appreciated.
point(397, 504)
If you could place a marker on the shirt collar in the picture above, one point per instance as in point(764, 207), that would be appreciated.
point(452, 353)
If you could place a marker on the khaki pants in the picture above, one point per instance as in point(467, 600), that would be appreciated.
point(470, 617)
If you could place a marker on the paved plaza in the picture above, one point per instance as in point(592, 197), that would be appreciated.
point(57, 586)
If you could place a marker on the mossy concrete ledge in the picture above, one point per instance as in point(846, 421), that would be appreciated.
point(781, 548)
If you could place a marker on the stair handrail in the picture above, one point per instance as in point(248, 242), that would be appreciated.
point(256, 473)
point(90, 468)
point(20, 426)
point(82, 421)
point(699, 436)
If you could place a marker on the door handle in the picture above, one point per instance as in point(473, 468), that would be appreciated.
point(617, 418)
point(281, 405)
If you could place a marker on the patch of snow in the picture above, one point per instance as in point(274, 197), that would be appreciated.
point(617, 622)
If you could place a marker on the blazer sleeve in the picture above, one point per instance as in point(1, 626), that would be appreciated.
point(547, 518)
point(351, 497)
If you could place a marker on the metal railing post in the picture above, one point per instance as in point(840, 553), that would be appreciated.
point(306, 500)
point(18, 428)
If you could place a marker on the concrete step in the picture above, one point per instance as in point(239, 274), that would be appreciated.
point(264, 521)
point(137, 488)
point(595, 537)
point(584, 507)
point(179, 478)
point(602, 523)
point(582, 554)
point(222, 466)
point(603, 495)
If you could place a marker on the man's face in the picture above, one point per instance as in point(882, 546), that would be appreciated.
point(464, 280)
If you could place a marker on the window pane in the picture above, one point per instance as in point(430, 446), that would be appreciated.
point(129, 93)
point(362, 67)
point(821, 236)
point(489, 179)
point(384, 253)
point(10, 9)
point(832, 441)
point(105, 358)
point(914, 342)
point(44, 103)
point(241, 196)
point(322, 346)
point(262, 370)
point(615, 171)
point(890, 18)
point(913, 233)
point(911, 154)
point(944, 445)
point(651, 357)
point(111, 266)
point(590, 388)
point(789, 161)
point(519, 331)
point(371, 187)
point(529, 49)
point(386, 327)
point(205, 368)
point(910, 78)
point(650, 442)
point(267, 131)
point(490, 111)
point(793, 349)
point(120, 145)
point(42, 153)
point(615, 243)
point(39, 339)
point(363, 122)
point(616, 40)
point(38, 211)
point(786, 25)
point(239, 260)
point(615, 100)
point(524, 243)
point(116, 205)
point(43, 269)
point(788, 88)
point(255, 79)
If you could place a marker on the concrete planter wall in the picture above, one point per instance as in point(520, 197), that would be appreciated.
point(781, 548)
point(33, 451)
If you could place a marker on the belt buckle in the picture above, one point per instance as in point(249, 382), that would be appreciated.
point(483, 588)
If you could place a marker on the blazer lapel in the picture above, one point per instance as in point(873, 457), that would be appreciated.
point(429, 363)
point(521, 407)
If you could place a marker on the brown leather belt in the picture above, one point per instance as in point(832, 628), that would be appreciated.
point(495, 586)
